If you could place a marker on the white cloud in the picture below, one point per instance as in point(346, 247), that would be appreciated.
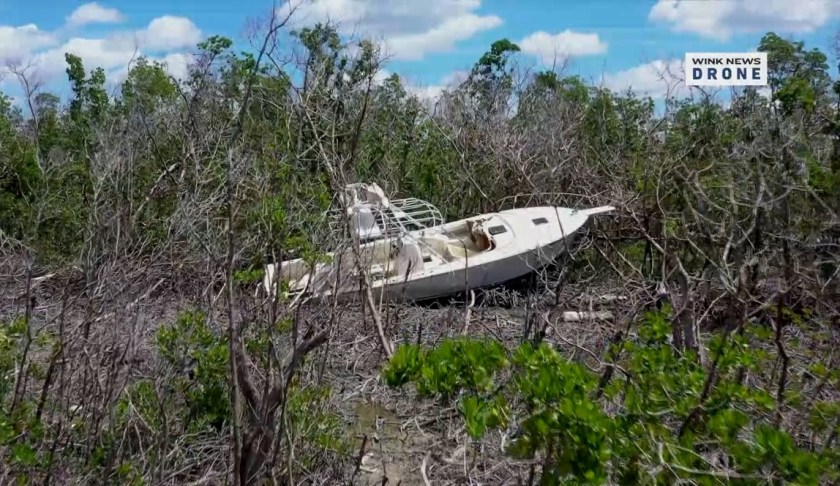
point(164, 35)
point(169, 33)
point(440, 38)
point(656, 79)
point(105, 53)
point(427, 93)
point(455, 78)
point(93, 13)
point(305, 12)
point(410, 29)
point(118, 75)
point(41, 53)
point(380, 76)
point(430, 94)
point(549, 48)
point(723, 18)
point(178, 64)
point(17, 43)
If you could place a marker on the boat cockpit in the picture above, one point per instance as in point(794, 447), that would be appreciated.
point(465, 239)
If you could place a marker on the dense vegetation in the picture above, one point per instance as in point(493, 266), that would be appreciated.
point(719, 366)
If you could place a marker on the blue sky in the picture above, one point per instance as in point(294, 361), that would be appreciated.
point(622, 43)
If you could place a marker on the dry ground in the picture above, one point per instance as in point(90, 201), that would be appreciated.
point(110, 328)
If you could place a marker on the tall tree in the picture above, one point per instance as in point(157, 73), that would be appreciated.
point(798, 77)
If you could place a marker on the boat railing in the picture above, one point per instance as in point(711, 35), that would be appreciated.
point(420, 213)
point(398, 217)
point(376, 217)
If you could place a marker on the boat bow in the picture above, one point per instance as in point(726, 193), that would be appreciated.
point(598, 210)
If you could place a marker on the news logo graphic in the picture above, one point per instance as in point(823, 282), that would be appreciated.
point(726, 68)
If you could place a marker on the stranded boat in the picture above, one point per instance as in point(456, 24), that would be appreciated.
point(408, 252)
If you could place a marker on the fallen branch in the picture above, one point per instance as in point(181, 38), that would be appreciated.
point(575, 316)
point(468, 312)
point(423, 469)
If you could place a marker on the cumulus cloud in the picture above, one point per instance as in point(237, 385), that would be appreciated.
point(17, 43)
point(168, 33)
point(440, 38)
point(380, 76)
point(410, 29)
point(427, 93)
point(94, 53)
point(163, 39)
point(723, 18)
point(430, 94)
point(549, 48)
point(178, 64)
point(656, 79)
point(93, 13)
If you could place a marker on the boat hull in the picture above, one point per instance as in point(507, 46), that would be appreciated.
point(470, 278)
point(465, 278)
point(524, 240)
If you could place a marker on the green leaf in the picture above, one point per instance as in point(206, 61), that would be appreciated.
point(24, 454)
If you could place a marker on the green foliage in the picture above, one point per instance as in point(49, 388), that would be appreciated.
point(248, 276)
point(311, 418)
point(47, 205)
point(10, 336)
point(193, 396)
point(190, 345)
point(148, 86)
point(215, 45)
point(798, 78)
point(405, 365)
point(455, 364)
point(90, 100)
point(494, 62)
point(491, 78)
point(21, 431)
point(632, 430)
point(20, 175)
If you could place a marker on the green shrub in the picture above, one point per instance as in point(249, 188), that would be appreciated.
point(653, 425)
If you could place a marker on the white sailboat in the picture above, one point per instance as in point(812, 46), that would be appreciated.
point(409, 253)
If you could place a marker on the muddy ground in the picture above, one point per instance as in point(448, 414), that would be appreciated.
point(408, 437)
point(399, 437)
